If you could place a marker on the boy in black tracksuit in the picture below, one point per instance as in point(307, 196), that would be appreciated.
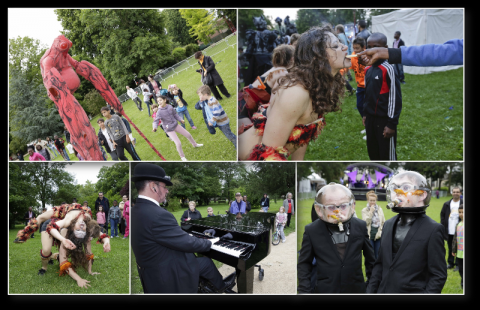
point(382, 107)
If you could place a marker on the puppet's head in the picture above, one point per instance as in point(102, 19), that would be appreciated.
point(335, 204)
point(408, 192)
point(62, 44)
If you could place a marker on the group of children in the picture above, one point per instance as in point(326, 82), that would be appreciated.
point(169, 107)
point(379, 100)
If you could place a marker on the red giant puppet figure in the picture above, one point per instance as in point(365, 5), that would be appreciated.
point(61, 81)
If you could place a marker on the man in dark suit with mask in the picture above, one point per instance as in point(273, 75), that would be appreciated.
point(336, 240)
point(163, 251)
point(412, 250)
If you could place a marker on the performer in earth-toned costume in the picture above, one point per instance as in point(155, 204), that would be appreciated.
point(71, 228)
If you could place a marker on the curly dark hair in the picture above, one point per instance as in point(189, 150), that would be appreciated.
point(312, 70)
point(78, 255)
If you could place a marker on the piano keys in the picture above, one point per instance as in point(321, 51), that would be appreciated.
point(252, 236)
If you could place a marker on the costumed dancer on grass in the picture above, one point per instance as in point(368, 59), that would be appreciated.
point(299, 101)
point(169, 117)
point(215, 114)
point(71, 228)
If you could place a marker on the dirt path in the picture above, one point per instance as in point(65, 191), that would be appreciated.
point(280, 269)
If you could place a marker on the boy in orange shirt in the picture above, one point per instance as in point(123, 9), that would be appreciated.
point(359, 46)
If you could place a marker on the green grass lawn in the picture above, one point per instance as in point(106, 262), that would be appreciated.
point(427, 129)
point(217, 209)
point(24, 263)
point(452, 286)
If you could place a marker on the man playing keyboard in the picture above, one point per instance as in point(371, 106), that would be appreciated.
point(163, 251)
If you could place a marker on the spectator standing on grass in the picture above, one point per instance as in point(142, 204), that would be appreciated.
point(398, 67)
point(449, 218)
point(238, 205)
point(43, 152)
point(44, 145)
point(105, 140)
point(51, 146)
point(103, 201)
point(372, 214)
point(67, 134)
point(121, 205)
point(343, 39)
point(289, 207)
point(210, 212)
point(437, 193)
point(114, 217)
point(20, 156)
point(60, 145)
point(192, 213)
point(154, 87)
point(362, 30)
point(129, 129)
point(248, 205)
point(207, 67)
point(34, 156)
point(458, 244)
point(126, 216)
point(383, 105)
point(133, 94)
point(280, 220)
point(180, 105)
point(101, 219)
point(265, 203)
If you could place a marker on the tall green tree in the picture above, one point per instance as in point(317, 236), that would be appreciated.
point(307, 18)
point(201, 23)
point(121, 42)
point(177, 27)
point(20, 196)
point(112, 178)
point(24, 55)
point(30, 117)
point(229, 16)
point(275, 179)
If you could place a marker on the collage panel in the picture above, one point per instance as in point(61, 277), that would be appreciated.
point(351, 84)
point(59, 218)
point(103, 90)
point(380, 228)
point(213, 228)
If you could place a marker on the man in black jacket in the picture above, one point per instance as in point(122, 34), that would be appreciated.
point(362, 30)
point(336, 240)
point(412, 251)
point(449, 219)
point(163, 251)
point(207, 66)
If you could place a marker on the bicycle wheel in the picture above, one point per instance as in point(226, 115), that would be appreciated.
point(276, 238)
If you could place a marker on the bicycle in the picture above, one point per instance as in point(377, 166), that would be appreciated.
point(276, 236)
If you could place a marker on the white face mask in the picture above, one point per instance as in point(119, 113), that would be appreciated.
point(80, 234)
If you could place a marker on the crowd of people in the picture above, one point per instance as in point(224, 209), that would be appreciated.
point(308, 80)
point(399, 265)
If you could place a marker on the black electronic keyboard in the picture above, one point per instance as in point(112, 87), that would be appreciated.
point(252, 237)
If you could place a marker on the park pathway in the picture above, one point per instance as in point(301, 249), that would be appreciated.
point(280, 269)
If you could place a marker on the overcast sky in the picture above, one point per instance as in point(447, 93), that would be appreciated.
point(86, 171)
point(36, 23)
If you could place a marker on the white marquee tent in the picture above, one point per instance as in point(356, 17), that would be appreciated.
point(421, 26)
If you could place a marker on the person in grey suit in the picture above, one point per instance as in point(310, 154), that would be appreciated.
point(412, 252)
point(336, 240)
point(163, 251)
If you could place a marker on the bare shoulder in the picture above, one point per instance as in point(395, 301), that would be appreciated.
point(292, 98)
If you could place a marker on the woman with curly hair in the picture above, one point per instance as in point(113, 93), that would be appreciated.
point(300, 100)
point(71, 229)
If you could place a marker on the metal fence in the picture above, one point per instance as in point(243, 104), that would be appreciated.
point(188, 63)
point(306, 195)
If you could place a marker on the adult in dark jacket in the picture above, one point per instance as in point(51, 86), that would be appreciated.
point(207, 65)
point(336, 240)
point(411, 258)
point(362, 31)
point(265, 203)
point(152, 85)
point(191, 213)
point(163, 251)
point(28, 216)
point(20, 156)
point(102, 201)
point(398, 67)
point(449, 220)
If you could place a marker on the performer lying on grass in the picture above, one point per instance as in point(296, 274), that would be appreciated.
point(72, 229)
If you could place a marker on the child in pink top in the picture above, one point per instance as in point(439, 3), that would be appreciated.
point(101, 217)
point(35, 156)
point(126, 215)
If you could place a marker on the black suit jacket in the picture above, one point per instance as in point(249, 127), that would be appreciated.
point(209, 65)
point(163, 250)
point(333, 274)
point(400, 43)
point(419, 265)
point(25, 217)
point(445, 214)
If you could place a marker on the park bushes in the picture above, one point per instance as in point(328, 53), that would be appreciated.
point(190, 49)
point(178, 54)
